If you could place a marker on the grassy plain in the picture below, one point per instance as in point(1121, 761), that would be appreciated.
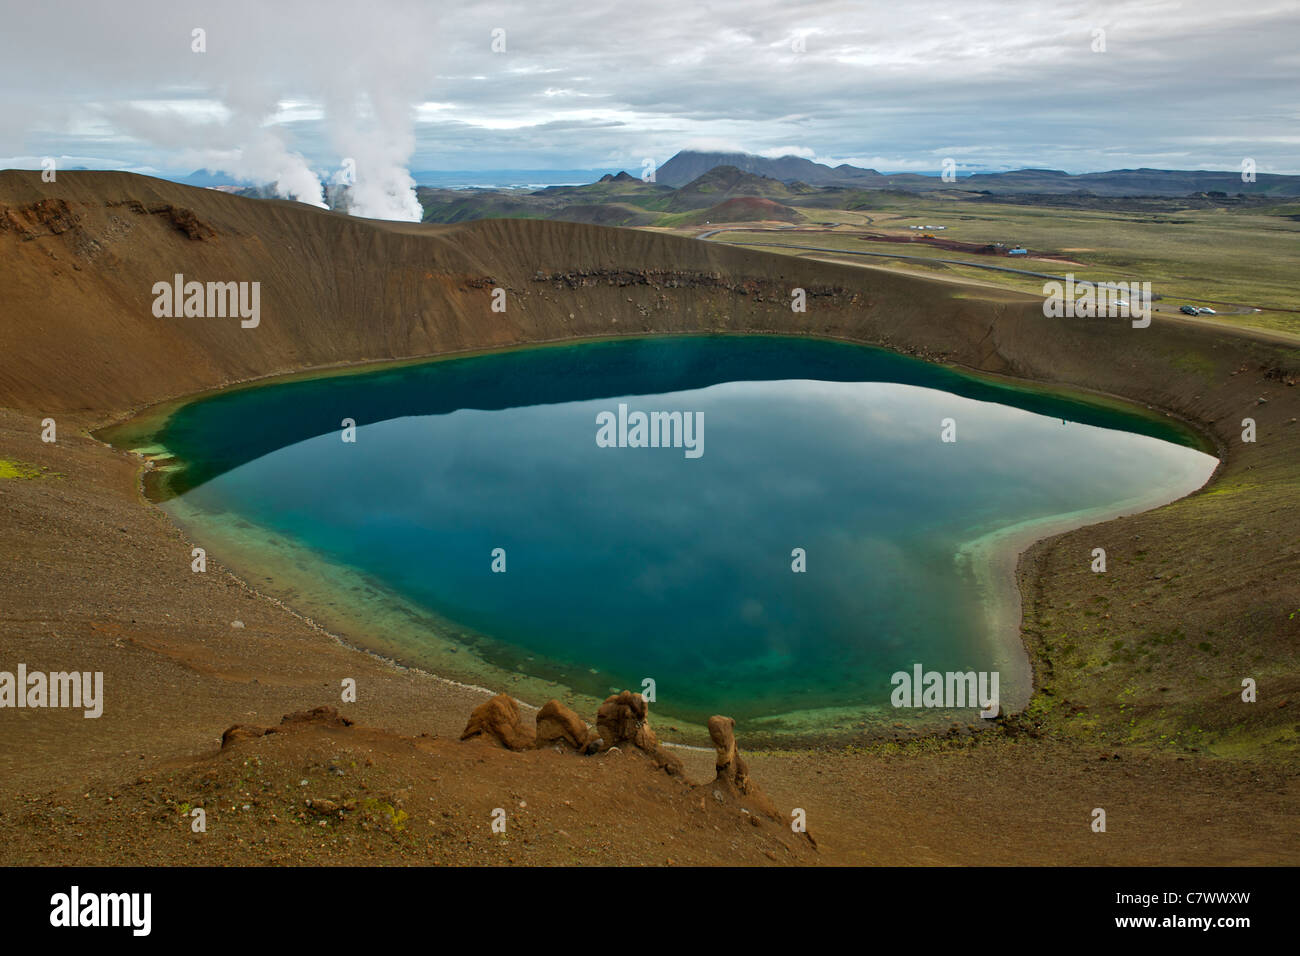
point(1223, 255)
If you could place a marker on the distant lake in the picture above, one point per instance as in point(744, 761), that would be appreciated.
point(627, 563)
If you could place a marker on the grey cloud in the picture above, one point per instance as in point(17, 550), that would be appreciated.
point(1195, 84)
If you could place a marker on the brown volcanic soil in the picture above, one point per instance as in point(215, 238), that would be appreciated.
point(1144, 662)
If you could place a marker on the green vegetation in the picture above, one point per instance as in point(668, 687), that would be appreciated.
point(18, 470)
point(385, 813)
point(1233, 254)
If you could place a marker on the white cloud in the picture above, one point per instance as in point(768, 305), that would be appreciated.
point(301, 85)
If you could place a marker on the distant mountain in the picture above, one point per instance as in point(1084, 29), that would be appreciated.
point(505, 178)
point(208, 178)
point(728, 182)
point(689, 165)
point(751, 188)
point(1133, 182)
point(609, 186)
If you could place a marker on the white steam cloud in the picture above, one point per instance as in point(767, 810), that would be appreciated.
point(377, 143)
point(373, 129)
point(266, 159)
point(252, 102)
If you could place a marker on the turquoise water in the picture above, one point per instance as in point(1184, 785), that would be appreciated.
point(623, 563)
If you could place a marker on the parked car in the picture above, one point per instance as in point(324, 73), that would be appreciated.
point(1188, 310)
point(1205, 311)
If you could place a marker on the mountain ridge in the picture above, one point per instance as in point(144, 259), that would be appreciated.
point(687, 165)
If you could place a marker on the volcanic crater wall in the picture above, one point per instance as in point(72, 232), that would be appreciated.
point(78, 335)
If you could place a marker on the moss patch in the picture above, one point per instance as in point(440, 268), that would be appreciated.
point(16, 469)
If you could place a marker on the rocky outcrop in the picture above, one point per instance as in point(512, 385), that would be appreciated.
point(499, 720)
point(624, 718)
point(45, 217)
point(238, 732)
point(623, 721)
point(299, 720)
point(187, 222)
point(732, 778)
point(53, 217)
point(733, 772)
point(557, 723)
point(684, 279)
point(182, 218)
point(317, 716)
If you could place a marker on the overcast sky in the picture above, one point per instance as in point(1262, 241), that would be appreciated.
point(416, 85)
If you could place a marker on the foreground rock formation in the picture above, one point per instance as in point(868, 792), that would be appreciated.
point(559, 724)
point(733, 772)
point(732, 777)
point(316, 717)
point(498, 718)
point(623, 720)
